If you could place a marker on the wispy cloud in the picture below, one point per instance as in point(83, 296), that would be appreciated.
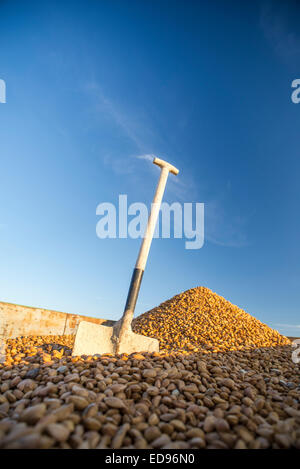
point(220, 228)
point(223, 228)
point(120, 165)
point(142, 136)
point(291, 330)
point(147, 157)
point(126, 165)
point(132, 127)
point(289, 326)
point(274, 21)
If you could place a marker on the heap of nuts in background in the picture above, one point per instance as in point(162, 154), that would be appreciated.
point(199, 319)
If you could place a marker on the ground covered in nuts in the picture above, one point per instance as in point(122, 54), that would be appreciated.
point(205, 389)
point(235, 399)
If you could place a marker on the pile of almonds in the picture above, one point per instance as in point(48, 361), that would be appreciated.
point(222, 380)
point(235, 399)
point(200, 320)
point(44, 348)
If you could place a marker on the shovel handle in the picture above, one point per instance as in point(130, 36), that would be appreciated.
point(140, 265)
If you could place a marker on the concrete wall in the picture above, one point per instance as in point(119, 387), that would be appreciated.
point(17, 320)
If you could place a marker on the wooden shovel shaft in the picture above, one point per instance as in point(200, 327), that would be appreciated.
point(144, 249)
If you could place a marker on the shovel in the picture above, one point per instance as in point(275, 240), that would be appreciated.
point(92, 339)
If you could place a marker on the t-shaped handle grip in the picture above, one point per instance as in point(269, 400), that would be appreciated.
point(164, 164)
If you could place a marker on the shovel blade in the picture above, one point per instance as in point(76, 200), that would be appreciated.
point(94, 339)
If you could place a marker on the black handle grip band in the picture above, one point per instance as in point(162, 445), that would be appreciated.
point(134, 289)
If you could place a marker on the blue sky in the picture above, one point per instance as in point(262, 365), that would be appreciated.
point(92, 85)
